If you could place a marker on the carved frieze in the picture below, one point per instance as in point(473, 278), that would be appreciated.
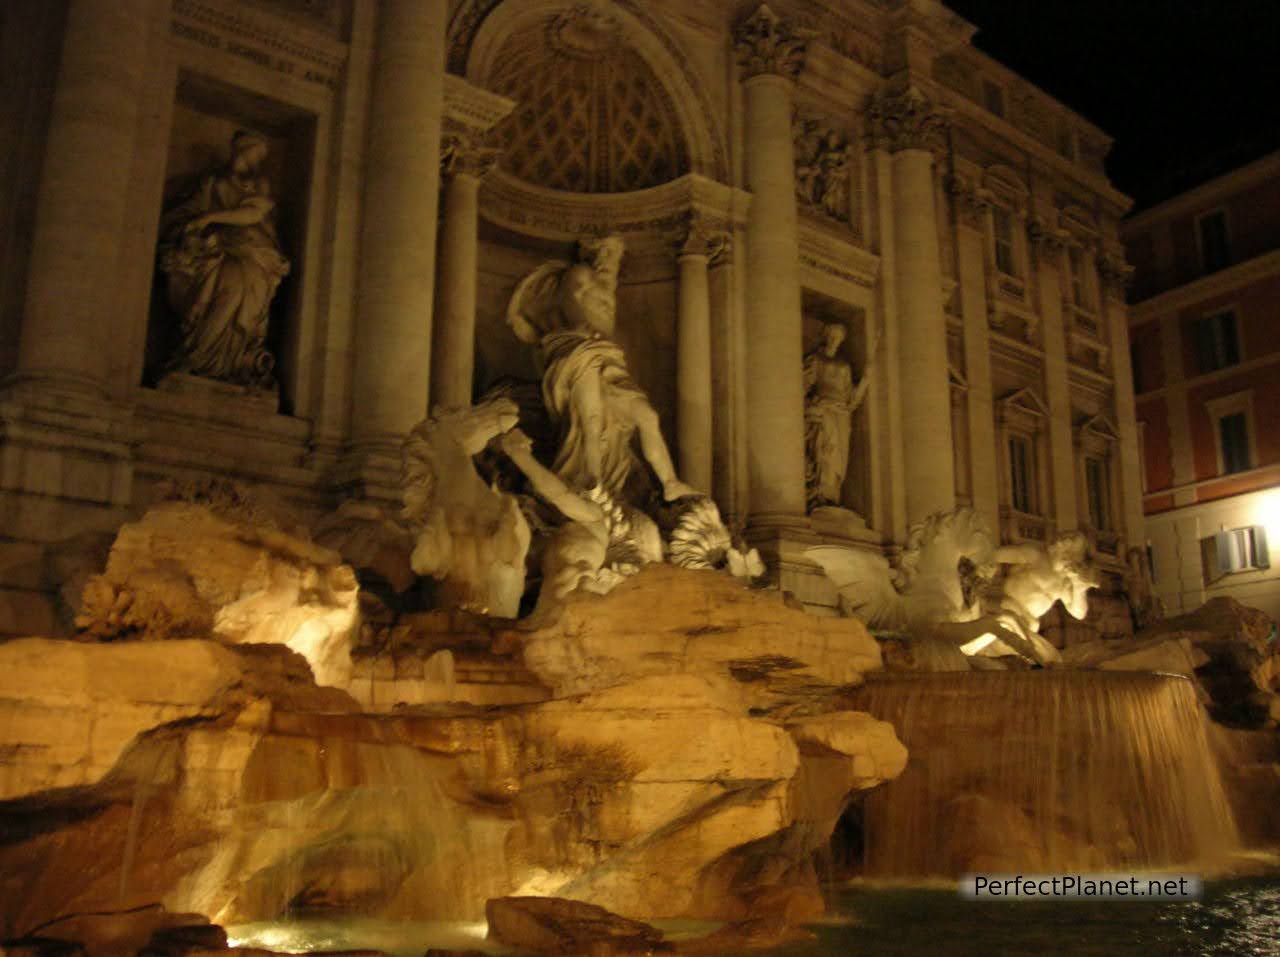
point(247, 34)
point(767, 44)
point(906, 120)
point(824, 164)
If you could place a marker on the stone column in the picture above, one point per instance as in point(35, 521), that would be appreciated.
point(84, 187)
point(984, 453)
point(464, 163)
point(771, 53)
point(698, 246)
point(398, 245)
point(1115, 274)
point(906, 125)
point(1049, 248)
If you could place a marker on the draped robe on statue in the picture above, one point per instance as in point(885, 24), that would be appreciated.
point(828, 414)
point(221, 280)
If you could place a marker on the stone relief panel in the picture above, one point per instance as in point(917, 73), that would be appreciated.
point(825, 170)
point(592, 117)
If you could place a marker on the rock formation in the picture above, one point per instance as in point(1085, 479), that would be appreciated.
point(681, 747)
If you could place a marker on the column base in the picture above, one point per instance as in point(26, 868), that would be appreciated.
point(369, 470)
point(782, 541)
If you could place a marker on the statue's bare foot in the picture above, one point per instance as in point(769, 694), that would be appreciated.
point(673, 489)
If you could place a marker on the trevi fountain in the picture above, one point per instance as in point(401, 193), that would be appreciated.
point(543, 477)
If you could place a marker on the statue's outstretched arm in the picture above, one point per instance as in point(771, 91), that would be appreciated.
point(546, 483)
point(873, 352)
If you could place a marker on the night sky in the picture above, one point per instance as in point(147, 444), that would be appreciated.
point(1188, 88)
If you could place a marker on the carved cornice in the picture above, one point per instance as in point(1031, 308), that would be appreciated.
point(906, 120)
point(471, 107)
point(659, 211)
point(766, 44)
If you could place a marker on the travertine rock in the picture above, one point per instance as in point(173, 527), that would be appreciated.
point(695, 754)
point(553, 925)
point(1243, 667)
point(679, 621)
point(183, 571)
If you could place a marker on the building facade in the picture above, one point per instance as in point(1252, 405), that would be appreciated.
point(773, 169)
point(1206, 354)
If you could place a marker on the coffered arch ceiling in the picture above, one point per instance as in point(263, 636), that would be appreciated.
point(603, 105)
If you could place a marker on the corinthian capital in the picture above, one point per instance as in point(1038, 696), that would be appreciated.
point(765, 43)
point(904, 121)
point(466, 151)
point(700, 235)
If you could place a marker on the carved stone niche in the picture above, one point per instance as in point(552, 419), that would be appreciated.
point(207, 117)
point(854, 503)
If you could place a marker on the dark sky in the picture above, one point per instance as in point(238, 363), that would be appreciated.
point(1188, 88)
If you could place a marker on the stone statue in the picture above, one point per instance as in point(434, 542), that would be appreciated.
point(469, 536)
point(222, 259)
point(831, 398)
point(567, 311)
point(942, 587)
point(600, 543)
point(947, 560)
point(1038, 576)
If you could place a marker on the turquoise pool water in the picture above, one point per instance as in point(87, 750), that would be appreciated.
point(1235, 918)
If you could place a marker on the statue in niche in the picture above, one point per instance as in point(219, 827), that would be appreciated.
point(468, 535)
point(830, 400)
point(567, 312)
point(822, 164)
point(221, 256)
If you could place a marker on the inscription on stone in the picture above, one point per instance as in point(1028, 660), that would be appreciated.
point(253, 54)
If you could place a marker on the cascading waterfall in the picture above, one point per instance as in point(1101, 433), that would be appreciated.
point(1048, 771)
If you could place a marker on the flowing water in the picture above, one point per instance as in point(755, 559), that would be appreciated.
point(1044, 771)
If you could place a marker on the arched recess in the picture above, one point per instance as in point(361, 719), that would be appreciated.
point(491, 31)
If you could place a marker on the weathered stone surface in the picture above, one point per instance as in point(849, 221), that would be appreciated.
point(1171, 654)
point(877, 754)
point(183, 571)
point(668, 620)
point(1243, 666)
point(220, 779)
point(125, 933)
point(553, 925)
